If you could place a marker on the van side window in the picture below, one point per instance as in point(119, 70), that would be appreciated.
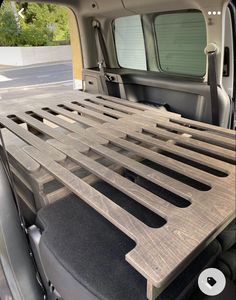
point(129, 42)
point(181, 39)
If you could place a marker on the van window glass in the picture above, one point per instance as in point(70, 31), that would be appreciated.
point(129, 42)
point(181, 39)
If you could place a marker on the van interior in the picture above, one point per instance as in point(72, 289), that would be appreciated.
point(124, 188)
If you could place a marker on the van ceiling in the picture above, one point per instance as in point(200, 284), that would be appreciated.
point(115, 8)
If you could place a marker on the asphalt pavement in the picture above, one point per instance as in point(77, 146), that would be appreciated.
point(34, 80)
point(36, 74)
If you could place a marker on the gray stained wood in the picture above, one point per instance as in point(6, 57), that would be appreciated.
point(31, 139)
point(152, 175)
point(111, 104)
point(17, 153)
point(90, 113)
point(178, 149)
point(204, 126)
point(127, 134)
point(161, 159)
point(226, 142)
point(100, 108)
point(40, 126)
point(200, 145)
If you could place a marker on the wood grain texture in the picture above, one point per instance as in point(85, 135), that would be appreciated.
point(111, 104)
point(124, 185)
point(200, 154)
point(199, 145)
point(160, 253)
point(100, 108)
point(161, 159)
point(78, 118)
point(19, 155)
point(52, 132)
point(90, 113)
point(212, 128)
point(31, 139)
point(201, 135)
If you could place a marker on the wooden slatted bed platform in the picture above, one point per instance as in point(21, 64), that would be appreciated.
point(70, 141)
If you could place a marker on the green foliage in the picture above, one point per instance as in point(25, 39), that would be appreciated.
point(43, 25)
point(8, 27)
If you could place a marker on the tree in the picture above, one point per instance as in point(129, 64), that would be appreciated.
point(44, 24)
point(9, 32)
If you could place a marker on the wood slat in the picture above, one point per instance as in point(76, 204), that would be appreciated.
point(162, 253)
point(90, 113)
point(26, 161)
point(90, 179)
point(224, 137)
point(111, 211)
point(31, 139)
point(52, 132)
point(201, 135)
point(122, 125)
point(63, 192)
point(75, 117)
point(124, 102)
point(82, 134)
point(180, 139)
point(142, 107)
point(100, 108)
point(171, 184)
point(138, 120)
point(98, 201)
point(111, 104)
point(16, 153)
point(126, 186)
point(175, 149)
point(225, 131)
point(145, 117)
point(158, 252)
point(71, 127)
point(163, 160)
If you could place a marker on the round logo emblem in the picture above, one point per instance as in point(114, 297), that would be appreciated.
point(211, 282)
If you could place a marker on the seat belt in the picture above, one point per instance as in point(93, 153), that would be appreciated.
point(102, 56)
point(211, 51)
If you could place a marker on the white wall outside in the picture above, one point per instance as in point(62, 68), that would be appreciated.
point(24, 56)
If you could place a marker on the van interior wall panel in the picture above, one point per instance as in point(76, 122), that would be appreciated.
point(201, 109)
point(182, 172)
point(188, 97)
